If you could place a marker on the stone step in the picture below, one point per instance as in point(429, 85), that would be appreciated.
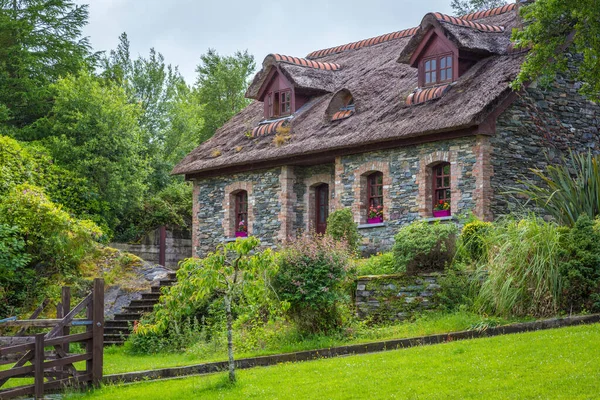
point(138, 309)
point(112, 324)
point(115, 338)
point(143, 303)
point(128, 317)
point(172, 276)
point(117, 331)
point(113, 343)
point(167, 282)
point(153, 290)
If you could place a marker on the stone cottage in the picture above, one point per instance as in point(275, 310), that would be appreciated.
point(415, 124)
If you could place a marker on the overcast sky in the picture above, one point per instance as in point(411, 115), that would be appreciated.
point(182, 30)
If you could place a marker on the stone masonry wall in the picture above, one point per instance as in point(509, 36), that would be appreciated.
point(264, 206)
point(395, 297)
point(540, 123)
point(404, 191)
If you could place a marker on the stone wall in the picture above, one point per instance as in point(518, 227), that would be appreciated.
point(178, 247)
point(541, 123)
point(264, 208)
point(395, 297)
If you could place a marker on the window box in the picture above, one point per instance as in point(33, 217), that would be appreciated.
point(241, 234)
point(376, 220)
point(441, 213)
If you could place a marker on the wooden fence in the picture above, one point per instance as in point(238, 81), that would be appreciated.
point(54, 370)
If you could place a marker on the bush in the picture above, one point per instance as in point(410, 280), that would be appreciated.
point(581, 269)
point(380, 264)
point(458, 290)
point(522, 273)
point(14, 274)
point(424, 246)
point(310, 278)
point(472, 240)
point(341, 226)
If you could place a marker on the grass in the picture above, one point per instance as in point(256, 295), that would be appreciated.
point(286, 340)
point(558, 364)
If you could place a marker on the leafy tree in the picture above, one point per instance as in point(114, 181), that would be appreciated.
point(463, 7)
point(550, 28)
point(13, 271)
point(221, 86)
point(93, 130)
point(40, 41)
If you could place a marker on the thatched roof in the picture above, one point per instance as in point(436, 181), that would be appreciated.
point(379, 85)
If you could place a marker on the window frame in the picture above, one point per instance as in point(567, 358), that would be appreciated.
point(446, 189)
point(283, 101)
point(241, 209)
point(373, 185)
point(449, 71)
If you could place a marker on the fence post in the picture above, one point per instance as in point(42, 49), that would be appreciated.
point(98, 331)
point(39, 366)
point(66, 308)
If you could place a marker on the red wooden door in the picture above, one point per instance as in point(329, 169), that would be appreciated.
point(321, 207)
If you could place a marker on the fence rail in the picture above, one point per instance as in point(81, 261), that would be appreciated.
point(53, 370)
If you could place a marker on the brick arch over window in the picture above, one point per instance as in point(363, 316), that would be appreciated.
point(229, 203)
point(425, 180)
point(309, 198)
point(360, 189)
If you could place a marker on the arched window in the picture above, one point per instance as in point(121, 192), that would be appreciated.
point(241, 213)
point(441, 190)
point(375, 197)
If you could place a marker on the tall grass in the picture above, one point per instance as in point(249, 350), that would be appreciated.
point(567, 190)
point(521, 275)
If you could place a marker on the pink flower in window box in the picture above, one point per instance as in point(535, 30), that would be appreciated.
point(241, 234)
point(441, 213)
point(376, 220)
point(242, 230)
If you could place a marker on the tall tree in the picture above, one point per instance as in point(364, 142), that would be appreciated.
point(220, 87)
point(40, 41)
point(94, 131)
point(564, 35)
point(463, 7)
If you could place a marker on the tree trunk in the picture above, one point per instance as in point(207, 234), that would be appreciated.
point(230, 339)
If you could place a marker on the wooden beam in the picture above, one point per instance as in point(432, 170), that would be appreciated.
point(38, 364)
point(69, 317)
point(98, 331)
point(45, 323)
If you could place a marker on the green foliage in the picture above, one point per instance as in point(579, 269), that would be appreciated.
point(93, 131)
point(341, 226)
point(458, 290)
point(567, 190)
point(310, 278)
point(221, 87)
point(424, 246)
point(178, 336)
point(472, 241)
point(550, 28)
point(13, 270)
point(56, 241)
point(522, 275)
point(581, 269)
point(463, 7)
point(40, 41)
point(379, 264)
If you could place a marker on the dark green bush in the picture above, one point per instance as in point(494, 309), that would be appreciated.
point(458, 290)
point(310, 279)
point(581, 270)
point(472, 243)
point(341, 226)
point(423, 246)
point(14, 274)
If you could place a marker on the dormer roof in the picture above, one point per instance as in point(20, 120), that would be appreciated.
point(380, 85)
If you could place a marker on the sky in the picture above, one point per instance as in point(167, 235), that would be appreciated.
point(182, 30)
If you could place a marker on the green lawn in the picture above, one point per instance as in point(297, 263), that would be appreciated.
point(561, 363)
point(116, 360)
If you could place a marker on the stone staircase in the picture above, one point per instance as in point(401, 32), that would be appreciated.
point(117, 330)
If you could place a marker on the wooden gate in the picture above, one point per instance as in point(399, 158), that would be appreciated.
point(54, 370)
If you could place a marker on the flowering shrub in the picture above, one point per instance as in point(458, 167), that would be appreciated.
point(310, 278)
point(376, 212)
point(442, 205)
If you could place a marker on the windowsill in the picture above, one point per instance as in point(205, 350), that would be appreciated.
point(229, 240)
point(433, 219)
point(368, 226)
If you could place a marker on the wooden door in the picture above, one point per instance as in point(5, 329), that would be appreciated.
point(321, 207)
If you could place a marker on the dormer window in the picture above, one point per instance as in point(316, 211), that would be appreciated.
point(279, 104)
point(285, 101)
point(437, 69)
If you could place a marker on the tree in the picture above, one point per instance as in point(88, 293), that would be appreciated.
point(93, 130)
point(555, 30)
point(231, 271)
point(40, 41)
point(464, 7)
point(221, 86)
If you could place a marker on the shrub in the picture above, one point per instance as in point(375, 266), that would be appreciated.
point(341, 226)
point(424, 246)
point(581, 269)
point(472, 242)
point(380, 264)
point(14, 274)
point(458, 290)
point(567, 190)
point(310, 279)
point(522, 273)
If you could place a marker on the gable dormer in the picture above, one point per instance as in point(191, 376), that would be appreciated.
point(278, 96)
point(436, 58)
